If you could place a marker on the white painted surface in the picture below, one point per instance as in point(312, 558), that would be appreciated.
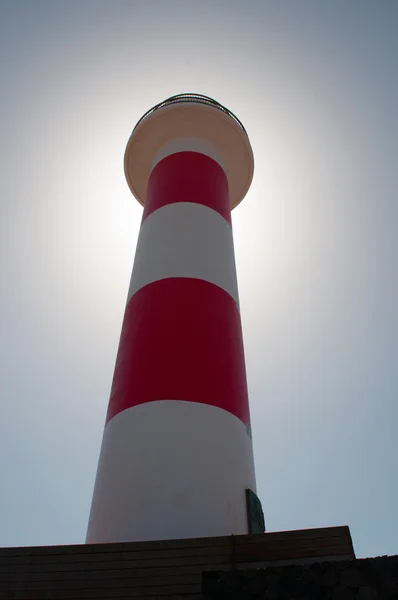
point(185, 239)
point(188, 144)
point(171, 469)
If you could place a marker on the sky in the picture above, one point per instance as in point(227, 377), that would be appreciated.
point(315, 84)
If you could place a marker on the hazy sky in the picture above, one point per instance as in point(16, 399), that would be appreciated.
point(315, 82)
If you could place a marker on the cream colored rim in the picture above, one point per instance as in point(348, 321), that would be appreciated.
point(190, 120)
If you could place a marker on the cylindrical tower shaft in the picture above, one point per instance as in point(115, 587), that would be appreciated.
point(176, 457)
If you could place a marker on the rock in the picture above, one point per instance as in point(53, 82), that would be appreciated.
point(341, 592)
point(318, 568)
point(330, 576)
point(314, 591)
point(367, 593)
point(389, 589)
point(270, 595)
point(263, 581)
point(352, 578)
point(272, 581)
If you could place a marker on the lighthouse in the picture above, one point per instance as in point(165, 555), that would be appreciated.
point(176, 459)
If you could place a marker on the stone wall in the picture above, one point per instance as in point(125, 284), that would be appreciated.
point(364, 579)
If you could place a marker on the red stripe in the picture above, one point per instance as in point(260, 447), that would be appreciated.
point(188, 177)
point(181, 340)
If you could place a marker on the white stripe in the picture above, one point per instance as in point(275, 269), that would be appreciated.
point(171, 469)
point(188, 144)
point(185, 239)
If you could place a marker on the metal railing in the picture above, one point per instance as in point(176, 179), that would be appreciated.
point(198, 98)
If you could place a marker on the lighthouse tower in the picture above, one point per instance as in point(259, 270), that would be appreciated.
point(176, 459)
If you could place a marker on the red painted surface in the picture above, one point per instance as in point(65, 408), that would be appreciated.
point(188, 177)
point(181, 340)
